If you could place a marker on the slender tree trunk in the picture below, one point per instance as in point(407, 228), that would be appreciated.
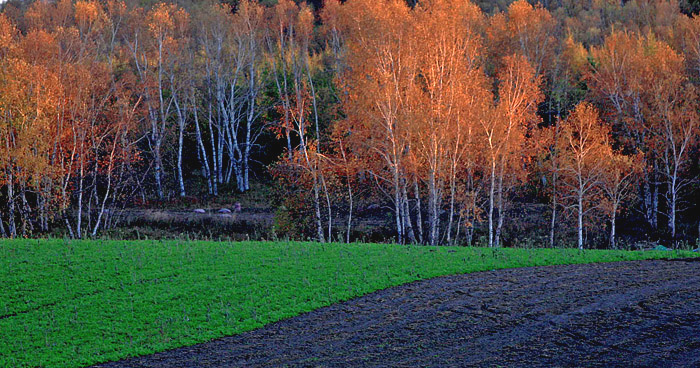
point(3, 233)
point(313, 101)
point(317, 208)
point(329, 208)
point(234, 149)
point(419, 215)
point(407, 213)
point(318, 150)
point(470, 211)
point(501, 207)
point(283, 91)
point(163, 116)
point(233, 157)
point(350, 208)
point(12, 227)
point(470, 228)
point(44, 210)
point(203, 159)
point(288, 134)
point(499, 223)
point(350, 204)
point(458, 227)
point(672, 206)
point(100, 214)
point(246, 166)
point(41, 210)
point(432, 203)
point(555, 176)
point(81, 189)
point(281, 84)
point(648, 213)
point(41, 203)
point(397, 205)
point(91, 197)
point(453, 174)
point(214, 155)
point(158, 167)
point(181, 124)
point(220, 153)
point(246, 152)
point(252, 96)
point(155, 136)
point(221, 131)
point(492, 189)
point(350, 194)
point(315, 183)
point(553, 223)
point(180, 179)
point(612, 228)
point(71, 233)
point(580, 221)
point(27, 226)
point(110, 168)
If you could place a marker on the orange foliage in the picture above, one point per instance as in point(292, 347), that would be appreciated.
point(584, 150)
point(524, 29)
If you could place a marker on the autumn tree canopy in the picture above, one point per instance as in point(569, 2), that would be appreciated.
point(431, 122)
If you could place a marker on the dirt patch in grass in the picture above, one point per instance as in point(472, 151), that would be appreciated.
point(644, 313)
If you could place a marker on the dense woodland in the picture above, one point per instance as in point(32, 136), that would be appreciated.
point(448, 118)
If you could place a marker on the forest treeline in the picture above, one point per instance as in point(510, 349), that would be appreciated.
point(449, 116)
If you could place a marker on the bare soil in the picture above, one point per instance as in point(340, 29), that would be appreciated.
point(600, 315)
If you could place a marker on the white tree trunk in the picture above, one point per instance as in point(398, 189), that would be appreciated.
point(397, 205)
point(407, 223)
point(453, 175)
point(181, 133)
point(612, 229)
point(12, 227)
point(214, 153)
point(433, 210)
point(110, 167)
point(491, 200)
point(79, 218)
point(350, 208)
point(158, 166)
point(203, 158)
point(419, 207)
point(3, 233)
point(501, 211)
point(580, 220)
point(672, 206)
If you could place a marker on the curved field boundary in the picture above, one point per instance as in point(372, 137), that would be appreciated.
point(601, 315)
point(76, 303)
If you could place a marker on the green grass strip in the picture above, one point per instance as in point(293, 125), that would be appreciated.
point(75, 303)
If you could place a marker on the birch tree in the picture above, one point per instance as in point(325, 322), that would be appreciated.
point(618, 183)
point(583, 145)
point(449, 100)
point(380, 77)
point(504, 131)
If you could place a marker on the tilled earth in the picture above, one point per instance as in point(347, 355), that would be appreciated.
point(601, 315)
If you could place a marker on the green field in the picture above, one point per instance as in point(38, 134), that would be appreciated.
point(74, 303)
